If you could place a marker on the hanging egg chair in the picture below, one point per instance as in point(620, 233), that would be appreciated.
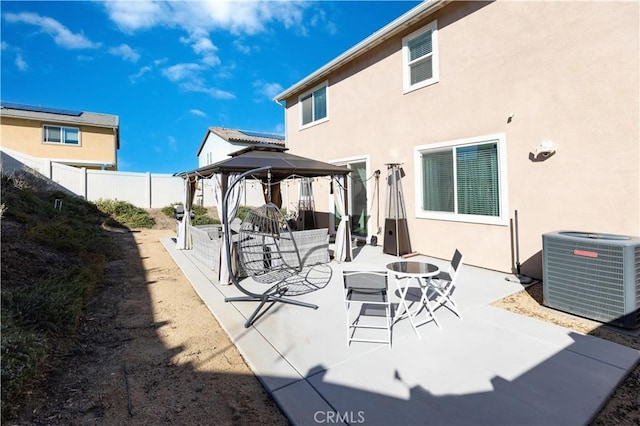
point(267, 252)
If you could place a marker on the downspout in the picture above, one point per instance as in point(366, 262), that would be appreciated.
point(283, 105)
point(116, 135)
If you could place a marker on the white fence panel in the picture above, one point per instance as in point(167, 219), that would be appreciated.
point(146, 190)
point(166, 190)
point(123, 186)
point(13, 162)
point(71, 178)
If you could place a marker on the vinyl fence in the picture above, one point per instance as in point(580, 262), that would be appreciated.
point(146, 190)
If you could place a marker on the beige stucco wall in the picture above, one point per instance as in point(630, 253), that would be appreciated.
point(567, 71)
point(96, 144)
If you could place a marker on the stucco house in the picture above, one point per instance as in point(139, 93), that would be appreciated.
point(75, 138)
point(218, 143)
point(490, 108)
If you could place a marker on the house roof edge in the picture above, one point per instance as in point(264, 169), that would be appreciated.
point(420, 11)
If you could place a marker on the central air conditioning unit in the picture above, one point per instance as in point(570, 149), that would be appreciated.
point(595, 276)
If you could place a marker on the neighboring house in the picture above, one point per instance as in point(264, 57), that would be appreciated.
point(219, 142)
point(74, 138)
point(216, 146)
point(490, 107)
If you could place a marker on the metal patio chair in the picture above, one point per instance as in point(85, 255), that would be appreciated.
point(440, 288)
point(367, 293)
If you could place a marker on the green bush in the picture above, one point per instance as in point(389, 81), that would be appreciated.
point(204, 220)
point(199, 210)
point(242, 211)
point(74, 237)
point(168, 210)
point(200, 216)
point(52, 305)
point(34, 312)
point(126, 213)
point(23, 356)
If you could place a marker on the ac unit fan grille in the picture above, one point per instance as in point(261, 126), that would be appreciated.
point(588, 286)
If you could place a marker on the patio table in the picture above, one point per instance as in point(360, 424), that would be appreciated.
point(404, 272)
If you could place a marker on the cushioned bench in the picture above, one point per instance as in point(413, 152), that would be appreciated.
point(313, 245)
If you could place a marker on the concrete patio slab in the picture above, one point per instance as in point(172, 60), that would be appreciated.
point(492, 367)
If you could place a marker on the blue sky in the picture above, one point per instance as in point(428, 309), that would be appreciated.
point(169, 70)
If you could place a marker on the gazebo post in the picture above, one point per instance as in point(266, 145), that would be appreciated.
point(346, 210)
point(225, 184)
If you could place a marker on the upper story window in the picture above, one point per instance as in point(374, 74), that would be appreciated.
point(60, 134)
point(463, 180)
point(313, 106)
point(420, 57)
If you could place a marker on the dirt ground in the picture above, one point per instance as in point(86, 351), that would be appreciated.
point(151, 353)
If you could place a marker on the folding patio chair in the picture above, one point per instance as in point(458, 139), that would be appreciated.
point(443, 285)
point(366, 293)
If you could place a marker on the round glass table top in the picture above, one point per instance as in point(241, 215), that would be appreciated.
point(413, 268)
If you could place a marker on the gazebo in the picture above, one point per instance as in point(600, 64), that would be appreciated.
point(283, 165)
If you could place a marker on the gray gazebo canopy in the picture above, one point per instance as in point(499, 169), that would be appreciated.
point(283, 164)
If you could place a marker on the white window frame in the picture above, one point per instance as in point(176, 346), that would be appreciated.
point(62, 128)
point(324, 84)
point(502, 219)
point(407, 86)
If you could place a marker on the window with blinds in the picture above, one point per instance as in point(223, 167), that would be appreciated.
point(463, 180)
point(313, 106)
point(420, 58)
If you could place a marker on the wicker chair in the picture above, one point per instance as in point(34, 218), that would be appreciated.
point(270, 253)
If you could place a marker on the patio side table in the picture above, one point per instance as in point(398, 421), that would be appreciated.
point(404, 272)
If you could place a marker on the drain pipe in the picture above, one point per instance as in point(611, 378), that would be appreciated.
point(519, 278)
point(517, 242)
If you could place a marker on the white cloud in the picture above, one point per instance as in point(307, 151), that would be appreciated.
point(198, 19)
point(198, 113)
point(21, 63)
point(135, 15)
point(61, 35)
point(188, 76)
point(243, 48)
point(4, 45)
point(125, 52)
point(268, 90)
point(198, 86)
point(147, 69)
point(203, 46)
point(173, 143)
point(238, 17)
point(183, 71)
point(137, 76)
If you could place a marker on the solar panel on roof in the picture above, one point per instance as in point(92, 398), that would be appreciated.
point(48, 110)
point(263, 135)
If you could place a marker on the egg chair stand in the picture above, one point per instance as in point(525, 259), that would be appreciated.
point(267, 253)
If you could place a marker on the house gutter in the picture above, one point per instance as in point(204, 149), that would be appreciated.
point(417, 13)
point(283, 104)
